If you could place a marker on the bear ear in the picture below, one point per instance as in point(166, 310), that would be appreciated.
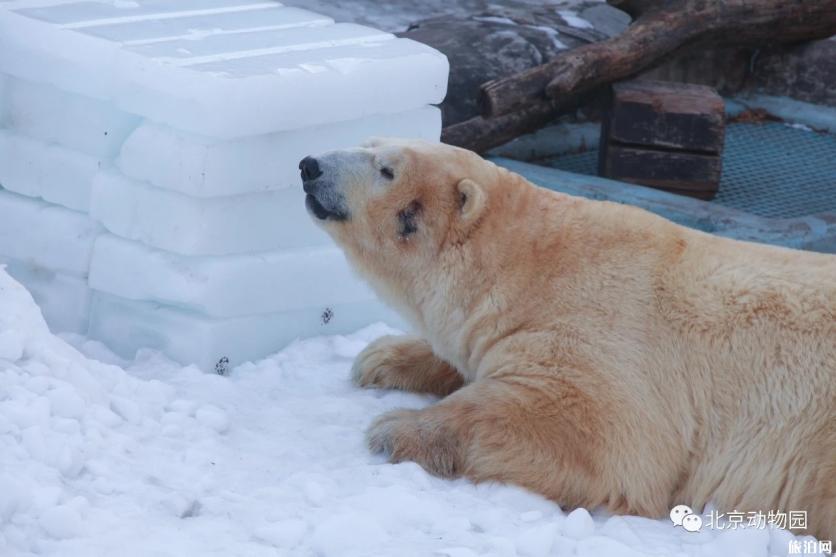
point(472, 199)
point(375, 141)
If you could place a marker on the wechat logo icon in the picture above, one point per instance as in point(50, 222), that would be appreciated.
point(683, 515)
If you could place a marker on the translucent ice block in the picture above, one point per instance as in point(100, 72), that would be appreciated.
point(221, 48)
point(203, 226)
point(247, 82)
point(202, 25)
point(53, 173)
point(369, 78)
point(46, 235)
point(4, 101)
point(192, 338)
point(64, 299)
point(81, 123)
point(200, 166)
point(93, 13)
point(226, 286)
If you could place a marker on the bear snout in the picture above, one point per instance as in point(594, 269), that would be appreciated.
point(310, 170)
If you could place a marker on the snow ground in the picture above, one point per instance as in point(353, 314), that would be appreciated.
point(150, 459)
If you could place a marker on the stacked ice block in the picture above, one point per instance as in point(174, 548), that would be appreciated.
point(148, 160)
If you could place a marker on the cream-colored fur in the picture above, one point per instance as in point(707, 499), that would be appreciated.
point(608, 357)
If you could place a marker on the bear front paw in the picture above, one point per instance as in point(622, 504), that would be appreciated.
point(409, 435)
point(375, 362)
point(406, 363)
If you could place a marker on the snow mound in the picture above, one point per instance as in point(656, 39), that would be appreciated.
point(164, 460)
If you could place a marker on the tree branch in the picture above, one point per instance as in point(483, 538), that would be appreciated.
point(666, 26)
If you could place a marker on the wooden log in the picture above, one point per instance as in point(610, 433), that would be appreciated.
point(636, 8)
point(666, 27)
point(667, 115)
point(480, 134)
point(664, 135)
point(697, 175)
point(484, 48)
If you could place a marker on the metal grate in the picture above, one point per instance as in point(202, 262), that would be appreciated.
point(769, 169)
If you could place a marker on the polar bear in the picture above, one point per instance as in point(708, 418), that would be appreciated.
point(592, 352)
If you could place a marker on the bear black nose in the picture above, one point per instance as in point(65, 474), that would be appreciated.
point(310, 169)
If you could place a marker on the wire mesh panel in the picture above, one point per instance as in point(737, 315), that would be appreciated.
point(770, 169)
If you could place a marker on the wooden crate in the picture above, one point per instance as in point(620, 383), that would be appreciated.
point(663, 135)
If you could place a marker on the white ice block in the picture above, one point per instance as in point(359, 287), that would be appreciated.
point(201, 166)
point(203, 226)
point(104, 12)
point(4, 101)
point(247, 82)
point(223, 48)
point(64, 299)
point(226, 286)
point(127, 326)
point(53, 173)
point(46, 235)
point(80, 123)
point(202, 25)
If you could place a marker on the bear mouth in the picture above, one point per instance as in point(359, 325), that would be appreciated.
point(320, 211)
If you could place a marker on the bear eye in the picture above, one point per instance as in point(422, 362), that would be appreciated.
point(387, 173)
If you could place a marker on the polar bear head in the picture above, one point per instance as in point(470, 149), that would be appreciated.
point(392, 200)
